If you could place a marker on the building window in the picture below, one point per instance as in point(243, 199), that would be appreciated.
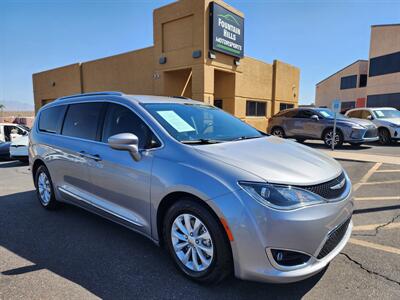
point(363, 80)
point(385, 64)
point(391, 100)
point(218, 103)
point(256, 108)
point(284, 106)
point(346, 105)
point(348, 82)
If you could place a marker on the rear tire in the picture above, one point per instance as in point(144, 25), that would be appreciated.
point(300, 140)
point(185, 242)
point(44, 189)
point(384, 136)
point(278, 131)
point(328, 137)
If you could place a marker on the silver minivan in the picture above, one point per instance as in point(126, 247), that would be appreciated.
point(219, 195)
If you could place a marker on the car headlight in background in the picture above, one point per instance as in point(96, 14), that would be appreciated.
point(280, 196)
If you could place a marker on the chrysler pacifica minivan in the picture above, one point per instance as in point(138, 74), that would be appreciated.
point(219, 195)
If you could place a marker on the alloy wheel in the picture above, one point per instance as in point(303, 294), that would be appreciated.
point(329, 138)
point(277, 132)
point(44, 188)
point(192, 242)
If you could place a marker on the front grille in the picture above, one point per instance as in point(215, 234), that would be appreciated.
point(334, 239)
point(325, 189)
point(371, 133)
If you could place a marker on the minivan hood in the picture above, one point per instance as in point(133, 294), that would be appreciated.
point(276, 160)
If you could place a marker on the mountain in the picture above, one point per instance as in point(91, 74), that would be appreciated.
point(17, 106)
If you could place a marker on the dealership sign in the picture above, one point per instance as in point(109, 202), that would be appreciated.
point(226, 31)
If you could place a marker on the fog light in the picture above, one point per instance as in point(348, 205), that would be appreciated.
point(289, 258)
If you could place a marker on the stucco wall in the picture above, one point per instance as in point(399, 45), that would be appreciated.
point(329, 89)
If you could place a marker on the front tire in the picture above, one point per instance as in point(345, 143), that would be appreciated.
point(328, 138)
point(197, 242)
point(356, 145)
point(44, 188)
point(278, 131)
point(384, 136)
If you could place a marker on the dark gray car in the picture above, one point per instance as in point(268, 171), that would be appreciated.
point(317, 123)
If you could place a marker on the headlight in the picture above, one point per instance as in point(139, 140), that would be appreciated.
point(280, 196)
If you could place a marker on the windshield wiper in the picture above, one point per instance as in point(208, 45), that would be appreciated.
point(201, 142)
point(247, 138)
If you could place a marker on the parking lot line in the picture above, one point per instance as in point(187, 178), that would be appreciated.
point(379, 182)
point(376, 198)
point(366, 176)
point(374, 226)
point(387, 171)
point(374, 246)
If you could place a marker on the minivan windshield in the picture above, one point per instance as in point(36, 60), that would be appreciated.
point(329, 114)
point(386, 113)
point(200, 124)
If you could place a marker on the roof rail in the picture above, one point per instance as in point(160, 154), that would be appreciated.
point(180, 97)
point(91, 94)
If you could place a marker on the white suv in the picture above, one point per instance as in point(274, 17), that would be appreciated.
point(387, 119)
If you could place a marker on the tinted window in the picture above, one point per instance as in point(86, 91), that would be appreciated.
point(384, 64)
point(50, 119)
point(363, 80)
point(283, 106)
point(348, 82)
point(346, 105)
point(392, 100)
point(120, 119)
point(365, 114)
point(305, 114)
point(256, 108)
point(286, 113)
point(354, 114)
point(82, 120)
point(218, 103)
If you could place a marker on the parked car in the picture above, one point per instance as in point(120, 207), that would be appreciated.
point(10, 132)
point(387, 119)
point(4, 150)
point(317, 124)
point(19, 148)
point(220, 195)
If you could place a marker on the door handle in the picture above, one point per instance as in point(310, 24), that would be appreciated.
point(95, 157)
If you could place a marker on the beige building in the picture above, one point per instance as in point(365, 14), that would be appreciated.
point(374, 82)
point(194, 55)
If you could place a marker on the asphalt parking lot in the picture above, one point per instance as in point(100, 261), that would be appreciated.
point(73, 254)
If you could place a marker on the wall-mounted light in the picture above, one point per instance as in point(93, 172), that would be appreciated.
point(162, 60)
point(211, 55)
point(196, 53)
point(53, 83)
point(237, 61)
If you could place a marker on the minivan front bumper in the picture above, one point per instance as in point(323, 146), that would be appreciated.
point(257, 229)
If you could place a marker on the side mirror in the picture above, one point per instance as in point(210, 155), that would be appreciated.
point(314, 117)
point(370, 117)
point(126, 141)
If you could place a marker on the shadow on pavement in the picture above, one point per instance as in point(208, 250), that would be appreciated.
point(12, 164)
point(109, 260)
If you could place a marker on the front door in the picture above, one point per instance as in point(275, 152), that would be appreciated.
point(120, 184)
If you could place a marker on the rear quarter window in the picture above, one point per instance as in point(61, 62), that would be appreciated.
point(51, 119)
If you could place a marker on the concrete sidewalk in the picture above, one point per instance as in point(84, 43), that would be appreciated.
point(355, 156)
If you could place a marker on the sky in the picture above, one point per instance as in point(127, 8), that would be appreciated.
point(319, 37)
